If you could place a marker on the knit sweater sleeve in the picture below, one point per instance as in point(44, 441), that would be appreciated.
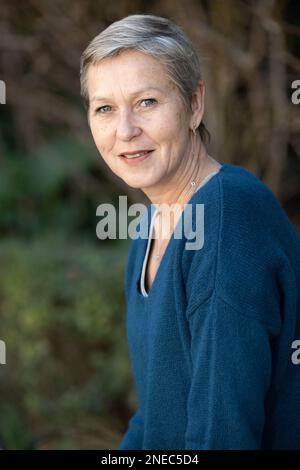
point(231, 357)
point(133, 437)
point(232, 328)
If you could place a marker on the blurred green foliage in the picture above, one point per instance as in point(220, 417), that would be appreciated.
point(64, 328)
point(58, 186)
point(67, 382)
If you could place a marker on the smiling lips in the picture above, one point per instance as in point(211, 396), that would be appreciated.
point(139, 154)
point(136, 158)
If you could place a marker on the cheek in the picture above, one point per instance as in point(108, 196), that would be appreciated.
point(100, 136)
point(164, 131)
point(170, 131)
point(180, 119)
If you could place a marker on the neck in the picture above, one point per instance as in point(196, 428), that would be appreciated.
point(178, 189)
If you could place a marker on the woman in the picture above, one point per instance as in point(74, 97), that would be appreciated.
point(211, 331)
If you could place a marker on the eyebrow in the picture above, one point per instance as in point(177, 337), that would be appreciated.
point(136, 93)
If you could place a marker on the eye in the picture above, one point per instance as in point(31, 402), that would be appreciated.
point(149, 99)
point(98, 110)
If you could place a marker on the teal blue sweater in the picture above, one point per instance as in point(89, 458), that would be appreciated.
point(213, 346)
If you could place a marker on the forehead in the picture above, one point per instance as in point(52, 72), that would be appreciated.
point(129, 72)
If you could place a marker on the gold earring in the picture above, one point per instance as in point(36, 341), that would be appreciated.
point(194, 129)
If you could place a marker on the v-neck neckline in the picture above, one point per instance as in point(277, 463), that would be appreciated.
point(140, 284)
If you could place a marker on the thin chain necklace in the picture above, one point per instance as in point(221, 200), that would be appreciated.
point(160, 251)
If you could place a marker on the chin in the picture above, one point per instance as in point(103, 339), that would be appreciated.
point(139, 181)
point(136, 184)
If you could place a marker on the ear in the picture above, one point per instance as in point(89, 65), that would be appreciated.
point(198, 104)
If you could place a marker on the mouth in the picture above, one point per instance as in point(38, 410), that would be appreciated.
point(134, 159)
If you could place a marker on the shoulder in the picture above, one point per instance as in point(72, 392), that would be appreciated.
point(240, 212)
point(256, 246)
point(248, 241)
point(252, 218)
point(240, 189)
point(240, 197)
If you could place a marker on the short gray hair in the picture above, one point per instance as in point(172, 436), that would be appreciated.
point(162, 39)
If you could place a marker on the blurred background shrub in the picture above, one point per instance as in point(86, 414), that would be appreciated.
point(62, 311)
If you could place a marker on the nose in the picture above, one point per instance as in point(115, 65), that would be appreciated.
point(127, 127)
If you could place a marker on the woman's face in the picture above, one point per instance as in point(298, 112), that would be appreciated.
point(134, 106)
